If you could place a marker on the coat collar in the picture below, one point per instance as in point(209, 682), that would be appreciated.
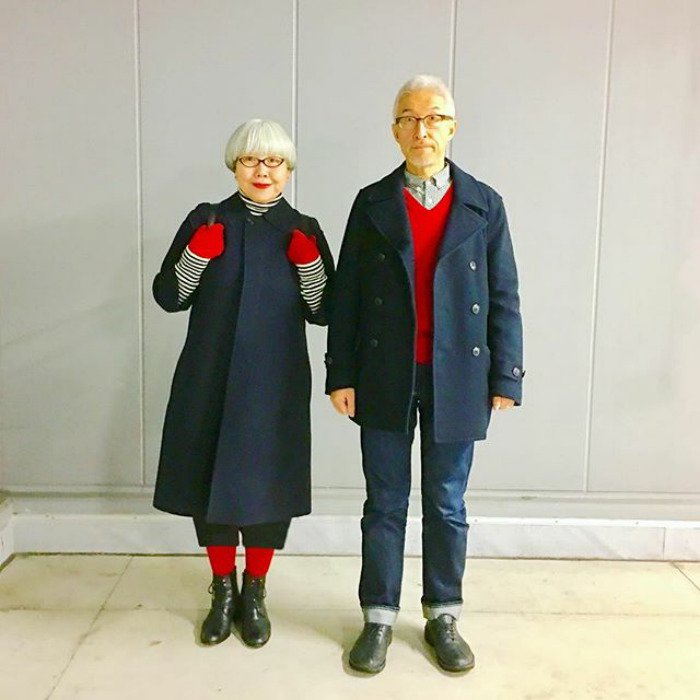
point(387, 209)
point(467, 190)
point(282, 216)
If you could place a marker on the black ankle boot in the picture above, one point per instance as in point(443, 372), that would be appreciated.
point(254, 622)
point(225, 600)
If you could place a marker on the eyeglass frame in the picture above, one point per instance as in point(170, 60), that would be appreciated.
point(260, 160)
point(443, 118)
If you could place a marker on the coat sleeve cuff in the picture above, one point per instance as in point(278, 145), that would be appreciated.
point(338, 375)
point(507, 380)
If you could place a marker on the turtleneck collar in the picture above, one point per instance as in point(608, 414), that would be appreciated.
point(259, 208)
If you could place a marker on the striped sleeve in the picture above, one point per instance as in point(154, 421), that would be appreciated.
point(312, 280)
point(188, 271)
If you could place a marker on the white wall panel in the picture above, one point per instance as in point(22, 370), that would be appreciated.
point(646, 410)
point(69, 280)
point(353, 57)
point(97, 181)
point(205, 68)
point(530, 90)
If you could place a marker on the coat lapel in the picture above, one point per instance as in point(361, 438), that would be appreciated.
point(465, 217)
point(387, 210)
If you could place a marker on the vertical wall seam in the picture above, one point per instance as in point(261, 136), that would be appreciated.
point(596, 257)
point(295, 88)
point(139, 237)
point(452, 58)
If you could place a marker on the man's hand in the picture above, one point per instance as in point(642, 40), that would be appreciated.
point(344, 401)
point(501, 403)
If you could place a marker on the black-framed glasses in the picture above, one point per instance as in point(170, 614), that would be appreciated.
point(431, 121)
point(253, 162)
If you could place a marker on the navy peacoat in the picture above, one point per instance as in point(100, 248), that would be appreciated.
point(477, 343)
point(236, 438)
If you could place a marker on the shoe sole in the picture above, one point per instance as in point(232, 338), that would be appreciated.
point(440, 664)
point(207, 643)
point(372, 671)
point(255, 645)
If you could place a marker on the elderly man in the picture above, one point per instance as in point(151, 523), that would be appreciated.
point(425, 328)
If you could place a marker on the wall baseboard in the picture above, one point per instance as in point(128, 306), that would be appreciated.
point(7, 543)
point(522, 537)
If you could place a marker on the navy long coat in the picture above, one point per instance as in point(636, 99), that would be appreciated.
point(477, 344)
point(236, 438)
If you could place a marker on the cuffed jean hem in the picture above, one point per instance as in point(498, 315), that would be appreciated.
point(380, 615)
point(432, 612)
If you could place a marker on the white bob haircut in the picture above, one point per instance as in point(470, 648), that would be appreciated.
point(261, 137)
point(426, 82)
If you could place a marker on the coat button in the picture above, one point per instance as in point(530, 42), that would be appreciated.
point(475, 308)
point(374, 342)
point(472, 264)
point(516, 371)
point(329, 360)
point(476, 351)
point(378, 301)
point(381, 257)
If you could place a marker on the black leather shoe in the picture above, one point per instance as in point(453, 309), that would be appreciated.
point(368, 654)
point(254, 622)
point(224, 602)
point(453, 653)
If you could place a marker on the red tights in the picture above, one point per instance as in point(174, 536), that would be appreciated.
point(223, 560)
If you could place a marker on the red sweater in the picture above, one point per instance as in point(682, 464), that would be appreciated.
point(427, 229)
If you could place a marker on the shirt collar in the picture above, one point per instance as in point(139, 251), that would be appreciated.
point(440, 179)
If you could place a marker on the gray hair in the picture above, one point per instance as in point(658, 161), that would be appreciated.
point(261, 137)
point(426, 82)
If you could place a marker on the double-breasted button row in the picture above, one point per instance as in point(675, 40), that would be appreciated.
point(476, 351)
point(472, 264)
point(475, 308)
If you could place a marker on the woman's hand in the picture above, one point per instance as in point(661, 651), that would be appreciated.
point(208, 241)
point(302, 249)
point(343, 401)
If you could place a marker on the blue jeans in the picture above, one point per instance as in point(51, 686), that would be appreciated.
point(386, 462)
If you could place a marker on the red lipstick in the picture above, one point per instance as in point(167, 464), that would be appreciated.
point(260, 185)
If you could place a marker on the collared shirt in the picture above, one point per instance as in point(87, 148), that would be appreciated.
point(429, 192)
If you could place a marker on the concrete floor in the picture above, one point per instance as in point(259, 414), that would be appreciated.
point(99, 627)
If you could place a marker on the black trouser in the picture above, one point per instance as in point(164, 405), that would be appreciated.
point(267, 535)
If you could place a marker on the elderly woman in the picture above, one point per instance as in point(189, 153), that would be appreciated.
point(235, 454)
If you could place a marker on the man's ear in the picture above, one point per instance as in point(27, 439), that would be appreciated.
point(454, 130)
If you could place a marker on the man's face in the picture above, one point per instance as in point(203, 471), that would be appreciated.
point(423, 148)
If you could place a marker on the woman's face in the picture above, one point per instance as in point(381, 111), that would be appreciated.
point(261, 183)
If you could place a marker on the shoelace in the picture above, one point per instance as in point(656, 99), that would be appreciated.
point(222, 601)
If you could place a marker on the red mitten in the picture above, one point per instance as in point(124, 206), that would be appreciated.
point(302, 248)
point(208, 241)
